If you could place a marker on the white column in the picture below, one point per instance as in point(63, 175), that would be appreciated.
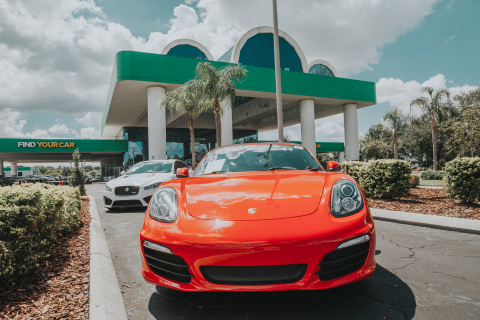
point(227, 123)
point(341, 156)
point(1, 168)
point(307, 120)
point(351, 131)
point(157, 125)
point(14, 169)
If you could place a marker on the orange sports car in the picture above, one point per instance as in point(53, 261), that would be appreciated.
point(258, 217)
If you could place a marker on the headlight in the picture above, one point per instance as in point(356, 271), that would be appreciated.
point(346, 198)
point(163, 206)
point(153, 186)
point(107, 188)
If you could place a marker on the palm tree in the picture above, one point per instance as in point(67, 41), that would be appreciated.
point(394, 120)
point(189, 99)
point(436, 109)
point(219, 86)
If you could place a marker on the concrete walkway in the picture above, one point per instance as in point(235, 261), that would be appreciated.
point(422, 273)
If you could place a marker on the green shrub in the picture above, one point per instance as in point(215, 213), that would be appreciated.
point(415, 181)
point(354, 169)
point(32, 217)
point(386, 178)
point(432, 175)
point(381, 178)
point(462, 178)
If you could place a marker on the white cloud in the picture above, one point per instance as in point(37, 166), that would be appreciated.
point(399, 93)
point(89, 133)
point(59, 129)
point(12, 124)
point(58, 54)
point(329, 129)
point(91, 119)
point(92, 122)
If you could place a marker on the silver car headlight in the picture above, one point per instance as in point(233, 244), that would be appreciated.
point(163, 206)
point(346, 198)
point(107, 188)
point(153, 186)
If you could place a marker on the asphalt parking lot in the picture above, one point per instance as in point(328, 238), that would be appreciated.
point(421, 273)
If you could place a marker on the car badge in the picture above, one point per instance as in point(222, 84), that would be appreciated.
point(126, 189)
point(252, 210)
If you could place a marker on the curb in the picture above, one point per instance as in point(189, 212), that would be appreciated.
point(426, 220)
point(106, 301)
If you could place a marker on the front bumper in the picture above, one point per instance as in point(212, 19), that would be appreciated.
point(111, 200)
point(282, 242)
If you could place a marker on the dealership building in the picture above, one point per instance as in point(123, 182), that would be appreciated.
point(135, 128)
point(310, 90)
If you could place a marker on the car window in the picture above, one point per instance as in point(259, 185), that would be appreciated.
point(263, 157)
point(180, 164)
point(146, 166)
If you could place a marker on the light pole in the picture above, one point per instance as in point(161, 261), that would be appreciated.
point(278, 78)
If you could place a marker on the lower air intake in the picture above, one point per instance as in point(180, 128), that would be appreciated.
point(341, 262)
point(168, 265)
point(256, 275)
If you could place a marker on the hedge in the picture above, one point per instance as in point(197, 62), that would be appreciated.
point(353, 168)
point(432, 175)
point(32, 217)
point(381, 178)
point(462, 178)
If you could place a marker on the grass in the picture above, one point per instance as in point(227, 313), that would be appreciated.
point(431, 183)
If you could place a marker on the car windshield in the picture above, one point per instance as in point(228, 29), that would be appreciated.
point(146, 166)
point(263, 157)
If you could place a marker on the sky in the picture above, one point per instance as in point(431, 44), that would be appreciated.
point(56, 56)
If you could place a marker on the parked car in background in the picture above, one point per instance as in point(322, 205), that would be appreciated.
point(136, 186)
point(98, 177)
point(258, 217)
point(5, 182)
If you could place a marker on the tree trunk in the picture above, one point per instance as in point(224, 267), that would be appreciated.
point(191, 126)
point(395, 145)
point(434, 138)
point(218, 123)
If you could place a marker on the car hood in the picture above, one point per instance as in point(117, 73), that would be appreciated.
point(140, 179)
point(254, 196)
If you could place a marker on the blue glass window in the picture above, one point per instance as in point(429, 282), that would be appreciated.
point(186, 50)
point(258, 51)
point(321, 70)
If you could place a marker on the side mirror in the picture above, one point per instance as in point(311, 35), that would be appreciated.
point(182, 173)
point(333, 166)
point(122, 173)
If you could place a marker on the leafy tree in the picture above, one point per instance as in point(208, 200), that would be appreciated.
point(78, 173)
point(219, 86)
point(464, 130)
point(437, 108)
point(377, 143)
point(394, 120)
point(190, 99)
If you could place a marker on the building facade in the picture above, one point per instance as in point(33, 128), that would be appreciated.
point(310, 90)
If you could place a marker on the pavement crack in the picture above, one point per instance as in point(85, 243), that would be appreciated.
point(386, 303)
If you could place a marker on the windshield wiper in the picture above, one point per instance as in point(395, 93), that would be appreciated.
point(279, 168)
point(310, 168)
point(215, 172)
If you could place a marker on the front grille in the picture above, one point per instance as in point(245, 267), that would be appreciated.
point(168, 265)
point(107, 201)
point(127, 203)
point(256, 275)
point(341, 262)
point(127, 191)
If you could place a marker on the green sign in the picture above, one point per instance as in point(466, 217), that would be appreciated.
point(62, 145)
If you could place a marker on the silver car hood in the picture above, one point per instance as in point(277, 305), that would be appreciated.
point(140, 179)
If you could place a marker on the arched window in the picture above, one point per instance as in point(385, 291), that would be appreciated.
point(186, 50)
point(321, 70)
point(258, 51)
